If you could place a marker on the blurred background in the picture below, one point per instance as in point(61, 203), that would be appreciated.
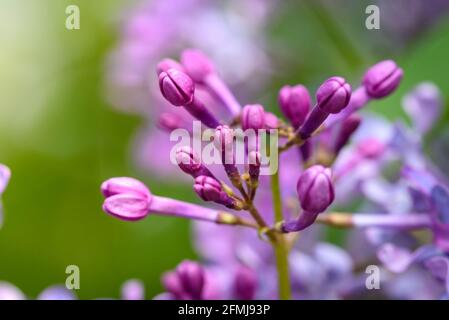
point(77, 107)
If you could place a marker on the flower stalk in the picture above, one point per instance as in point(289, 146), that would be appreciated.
point(280, 245)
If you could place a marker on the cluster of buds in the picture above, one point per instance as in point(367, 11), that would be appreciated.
point(129, 199)
point(328, 126)
point(379, 81)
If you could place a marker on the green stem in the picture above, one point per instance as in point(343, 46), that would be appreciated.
point(280, 247)
point(276, 193)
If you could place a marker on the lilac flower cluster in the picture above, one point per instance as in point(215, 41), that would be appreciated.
point(330, 153)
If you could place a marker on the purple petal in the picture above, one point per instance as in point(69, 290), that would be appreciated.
point(129, 207)
point(245, 283)
point(394, 258)
point(56, 293)
point(406, 145)
point(423, 105)
point(421, 202)
point(439, 267)
point(419, 179)
point(127, 185)
point(397, 259)
point(440, 199)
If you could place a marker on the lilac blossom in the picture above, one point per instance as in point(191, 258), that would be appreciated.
point(423, 105)
point(316, 194)
point(295, 104)
point(247, 229)
point(332, 97)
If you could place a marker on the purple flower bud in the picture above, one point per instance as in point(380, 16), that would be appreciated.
point(123, 185)
point(126, 198)
point(315, 189)
point(382, 79)
point(167, 64)
point(271, 121)
point(173, 285)
point(188, 160)
point(254, 158)
point(190, 163)
point(192, 278)
point(333, 95)
point(223, 138)
point(177, 87)
point(253, 117)
point(209, 189)
point(254, 165)
point(224, 142)
point(129, 207)
point(129, 199)
point(295, 104)
point(245, 283)
point(196, 64)
point(316, 193)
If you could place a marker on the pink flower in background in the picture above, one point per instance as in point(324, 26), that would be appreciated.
point(5, 175)
point(57, 292)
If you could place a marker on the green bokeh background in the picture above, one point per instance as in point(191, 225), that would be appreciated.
point(61, 139)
